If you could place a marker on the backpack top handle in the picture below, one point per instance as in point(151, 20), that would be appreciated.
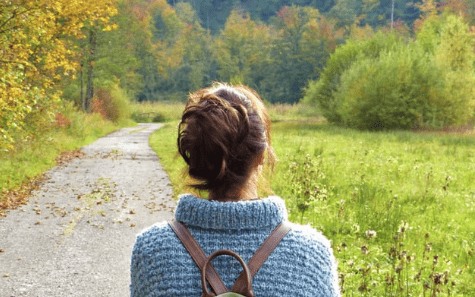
point(243, 284)
point(248, 285)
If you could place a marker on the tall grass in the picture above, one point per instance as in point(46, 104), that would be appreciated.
point(398, 206)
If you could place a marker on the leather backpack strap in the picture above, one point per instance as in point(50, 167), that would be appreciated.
point(261, 255)
point(198, 256)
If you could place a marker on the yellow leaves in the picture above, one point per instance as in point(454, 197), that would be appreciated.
point(110, 27)
point(35, 54)
point(241, 45)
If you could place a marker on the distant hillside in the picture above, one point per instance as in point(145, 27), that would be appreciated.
point(214, 13)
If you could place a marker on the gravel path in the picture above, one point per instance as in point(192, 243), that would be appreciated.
point(75, 236)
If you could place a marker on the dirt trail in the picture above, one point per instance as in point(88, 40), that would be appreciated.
point(75, 236)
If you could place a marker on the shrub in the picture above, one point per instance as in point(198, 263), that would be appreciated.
point(61, 121)
point(321, 92)
point(111, 103)
point(382, 83)
point(121, 103)
point(458, 95)
point(398, 90)
point(159, 118)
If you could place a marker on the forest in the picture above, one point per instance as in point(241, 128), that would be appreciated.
point(110, 52)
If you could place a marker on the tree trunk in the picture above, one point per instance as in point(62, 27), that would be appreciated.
point(392, 14)
point(90, 72)
point(81, 93)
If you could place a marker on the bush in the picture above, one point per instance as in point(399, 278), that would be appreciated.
point(382, 83)
point(398, 90)
point(159, 118)
point(458, 99)
point(455, 57)
point(111, 103)
point(321, 92)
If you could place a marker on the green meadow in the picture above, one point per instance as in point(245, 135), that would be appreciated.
point(397, 206)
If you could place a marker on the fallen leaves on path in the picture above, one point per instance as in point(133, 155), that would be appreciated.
point(67, 157)
point(13, 198)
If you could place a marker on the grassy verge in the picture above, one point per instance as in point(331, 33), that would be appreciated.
point(163, 142)
point(399, 206)
point(22, 169)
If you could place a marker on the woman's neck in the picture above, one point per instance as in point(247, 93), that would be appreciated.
point(247, 193)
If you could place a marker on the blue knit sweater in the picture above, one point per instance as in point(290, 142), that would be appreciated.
point(302, 264)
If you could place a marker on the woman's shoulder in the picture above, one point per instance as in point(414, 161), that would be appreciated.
point(307, 233)
point(154, 237)
point(307, 240)
point(155, 229)
point(312, 255)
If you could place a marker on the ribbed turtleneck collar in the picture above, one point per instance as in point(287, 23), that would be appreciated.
point(255, 214)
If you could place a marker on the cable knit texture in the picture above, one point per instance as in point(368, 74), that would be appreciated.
point(302, 264)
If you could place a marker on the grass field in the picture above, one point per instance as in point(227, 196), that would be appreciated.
point(398, 206)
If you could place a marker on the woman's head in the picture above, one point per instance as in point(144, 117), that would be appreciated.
point(223, 136)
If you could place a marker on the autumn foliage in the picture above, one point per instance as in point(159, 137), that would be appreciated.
point(36, 52)
point(111, 104)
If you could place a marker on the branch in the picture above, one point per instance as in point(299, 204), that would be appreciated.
point(12, 28)
point(14, 15)
point(12, 62)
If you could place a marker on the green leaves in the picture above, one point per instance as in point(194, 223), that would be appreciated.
point(35, 52)
point(388, 83)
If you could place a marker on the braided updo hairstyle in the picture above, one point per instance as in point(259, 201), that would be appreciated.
point(223, 136)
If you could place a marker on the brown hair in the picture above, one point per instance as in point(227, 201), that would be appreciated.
point(223, 136)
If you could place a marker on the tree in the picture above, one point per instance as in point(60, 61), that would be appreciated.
point(241, 48)
point(346, 12)
point(303, 43)
point(455, 57)
point(36, 50)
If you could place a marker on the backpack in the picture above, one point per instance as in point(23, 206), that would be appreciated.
point(243, 285)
